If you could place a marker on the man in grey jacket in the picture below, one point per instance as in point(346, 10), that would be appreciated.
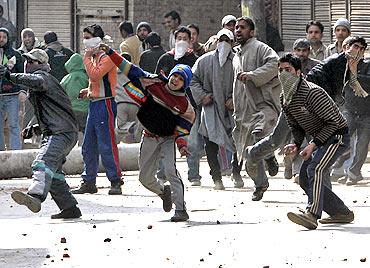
point(58, 126)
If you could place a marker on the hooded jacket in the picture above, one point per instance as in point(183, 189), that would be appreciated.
point(58, 56)
point(74, 81)
point(7, 88)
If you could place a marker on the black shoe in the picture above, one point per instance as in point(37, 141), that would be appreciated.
point(180, 215)
point(69, 213)
point(115, 189)
point(31, 202)
point(272, 166)
point(86, 188)
point(167, 198)
point(258, 193)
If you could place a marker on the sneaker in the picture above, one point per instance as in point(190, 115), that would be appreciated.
point(69, 213)
point(86, 188)
point(219, 185)
point(115, 189)
point(353, 179)
point(167, 198)
point(31, 202)
point(342, 180)
point(195, 183)
point(306, 219)
point(272, 166)
point(238, 180)
point(336, 174)
point(258, 192)
point(180, 215)
point(339, 218)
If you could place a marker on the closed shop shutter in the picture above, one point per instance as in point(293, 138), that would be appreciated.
point(50, 15)
point(337, 11)
point(360, 18)
point(294, 16)
point(108, 14)
point(322, 14)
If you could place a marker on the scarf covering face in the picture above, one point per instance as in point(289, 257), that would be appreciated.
point(224, 49)
point(92, 42)
point(180, 49)
point(289, 83)
point(353, 82)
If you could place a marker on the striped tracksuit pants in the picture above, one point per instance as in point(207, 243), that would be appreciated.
point(99, 139)
point(314, 177)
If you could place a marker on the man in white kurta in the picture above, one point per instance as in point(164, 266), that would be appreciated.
point(256, 96)
point(212, 88)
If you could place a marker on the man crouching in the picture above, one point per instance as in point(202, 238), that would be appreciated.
point(309, 110)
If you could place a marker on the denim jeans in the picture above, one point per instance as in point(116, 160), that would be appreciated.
point(9, 105)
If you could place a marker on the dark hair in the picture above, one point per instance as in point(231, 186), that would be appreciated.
point(126, 26)
point(95, 30)
point(183, 29)
point(126, 56)
point(356, 39)
point(153, 39)
point(174, 15)
point(194, 26)
point(50, 37)
point(249, 22)
point(315, 23)
point(292, 60)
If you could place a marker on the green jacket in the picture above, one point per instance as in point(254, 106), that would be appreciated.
point(74, 81)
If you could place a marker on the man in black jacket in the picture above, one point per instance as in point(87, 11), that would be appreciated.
point(58, 126)
point(58, 55)
point(329, 75)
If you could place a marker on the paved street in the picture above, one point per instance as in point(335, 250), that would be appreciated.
point(226, 229)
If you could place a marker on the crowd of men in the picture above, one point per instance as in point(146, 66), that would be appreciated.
point(232, 97)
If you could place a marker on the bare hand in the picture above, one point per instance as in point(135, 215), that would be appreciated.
point(207, 100)
point(290, 150)
point(22, 96)
point(244, 77)
point(104, 47)
point(89, 52)
point(83, 93)
point(184, 151)
point(307, 151)
point(229, 104)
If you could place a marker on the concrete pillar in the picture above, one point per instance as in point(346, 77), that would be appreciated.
point(17, 164)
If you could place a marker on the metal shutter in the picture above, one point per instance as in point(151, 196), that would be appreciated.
point(360, 18)
point(337, 11)
point(108, 14)
point(322, 14)
point(294, 17)
point(50, 15)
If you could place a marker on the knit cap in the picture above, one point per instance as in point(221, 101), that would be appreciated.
point(184, 71)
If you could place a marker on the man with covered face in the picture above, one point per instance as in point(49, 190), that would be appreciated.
point(99, 136)
point(308, 109)
point(212, 88)
point(58, 125)
point(256, 98)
